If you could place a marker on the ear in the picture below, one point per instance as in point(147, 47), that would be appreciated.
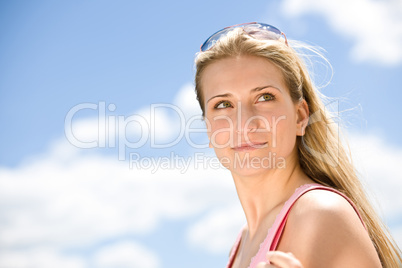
point(302, 117)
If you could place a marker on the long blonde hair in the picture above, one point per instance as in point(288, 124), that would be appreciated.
point(321, 154)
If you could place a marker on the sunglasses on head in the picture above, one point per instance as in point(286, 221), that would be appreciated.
point(256, 30)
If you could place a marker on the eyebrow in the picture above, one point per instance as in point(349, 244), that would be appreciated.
point(252, 90)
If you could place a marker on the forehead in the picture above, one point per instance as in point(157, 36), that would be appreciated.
point(239, 74)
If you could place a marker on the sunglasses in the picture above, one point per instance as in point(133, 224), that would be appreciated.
point(256, 30)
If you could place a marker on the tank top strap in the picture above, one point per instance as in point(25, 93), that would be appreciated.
point(275, 232)
point(279, 225)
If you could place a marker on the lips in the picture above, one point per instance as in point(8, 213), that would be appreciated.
point(249, 146)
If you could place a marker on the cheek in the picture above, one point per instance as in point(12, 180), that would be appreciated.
point(283, 132)
point(220, 131)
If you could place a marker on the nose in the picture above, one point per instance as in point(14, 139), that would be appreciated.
point(247, 120)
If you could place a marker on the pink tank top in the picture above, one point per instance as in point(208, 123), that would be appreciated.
point(275, 232)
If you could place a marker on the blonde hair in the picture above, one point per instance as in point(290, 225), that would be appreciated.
point(321, 154)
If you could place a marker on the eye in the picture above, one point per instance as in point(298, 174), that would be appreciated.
point(266, 97)
point(223, 104)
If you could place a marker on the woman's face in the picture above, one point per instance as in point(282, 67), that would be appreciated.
point(251, 119)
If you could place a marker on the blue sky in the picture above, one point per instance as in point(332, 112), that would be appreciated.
point(63, 205)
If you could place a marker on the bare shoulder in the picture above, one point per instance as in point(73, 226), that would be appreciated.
point(323, 230)
point(323, 204)
point(325, 213)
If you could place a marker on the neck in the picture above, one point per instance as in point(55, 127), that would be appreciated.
point(264, 192)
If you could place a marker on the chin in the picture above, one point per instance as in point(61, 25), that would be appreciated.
point(246, 164)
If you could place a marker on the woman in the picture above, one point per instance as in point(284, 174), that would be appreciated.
point(303, 202)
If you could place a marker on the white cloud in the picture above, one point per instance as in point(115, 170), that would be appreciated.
point(218, 230)
point(67, 200)
point(86, 130)
point(39, 258)
point(374, 26)
point(125, 255)
point(378, 163)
